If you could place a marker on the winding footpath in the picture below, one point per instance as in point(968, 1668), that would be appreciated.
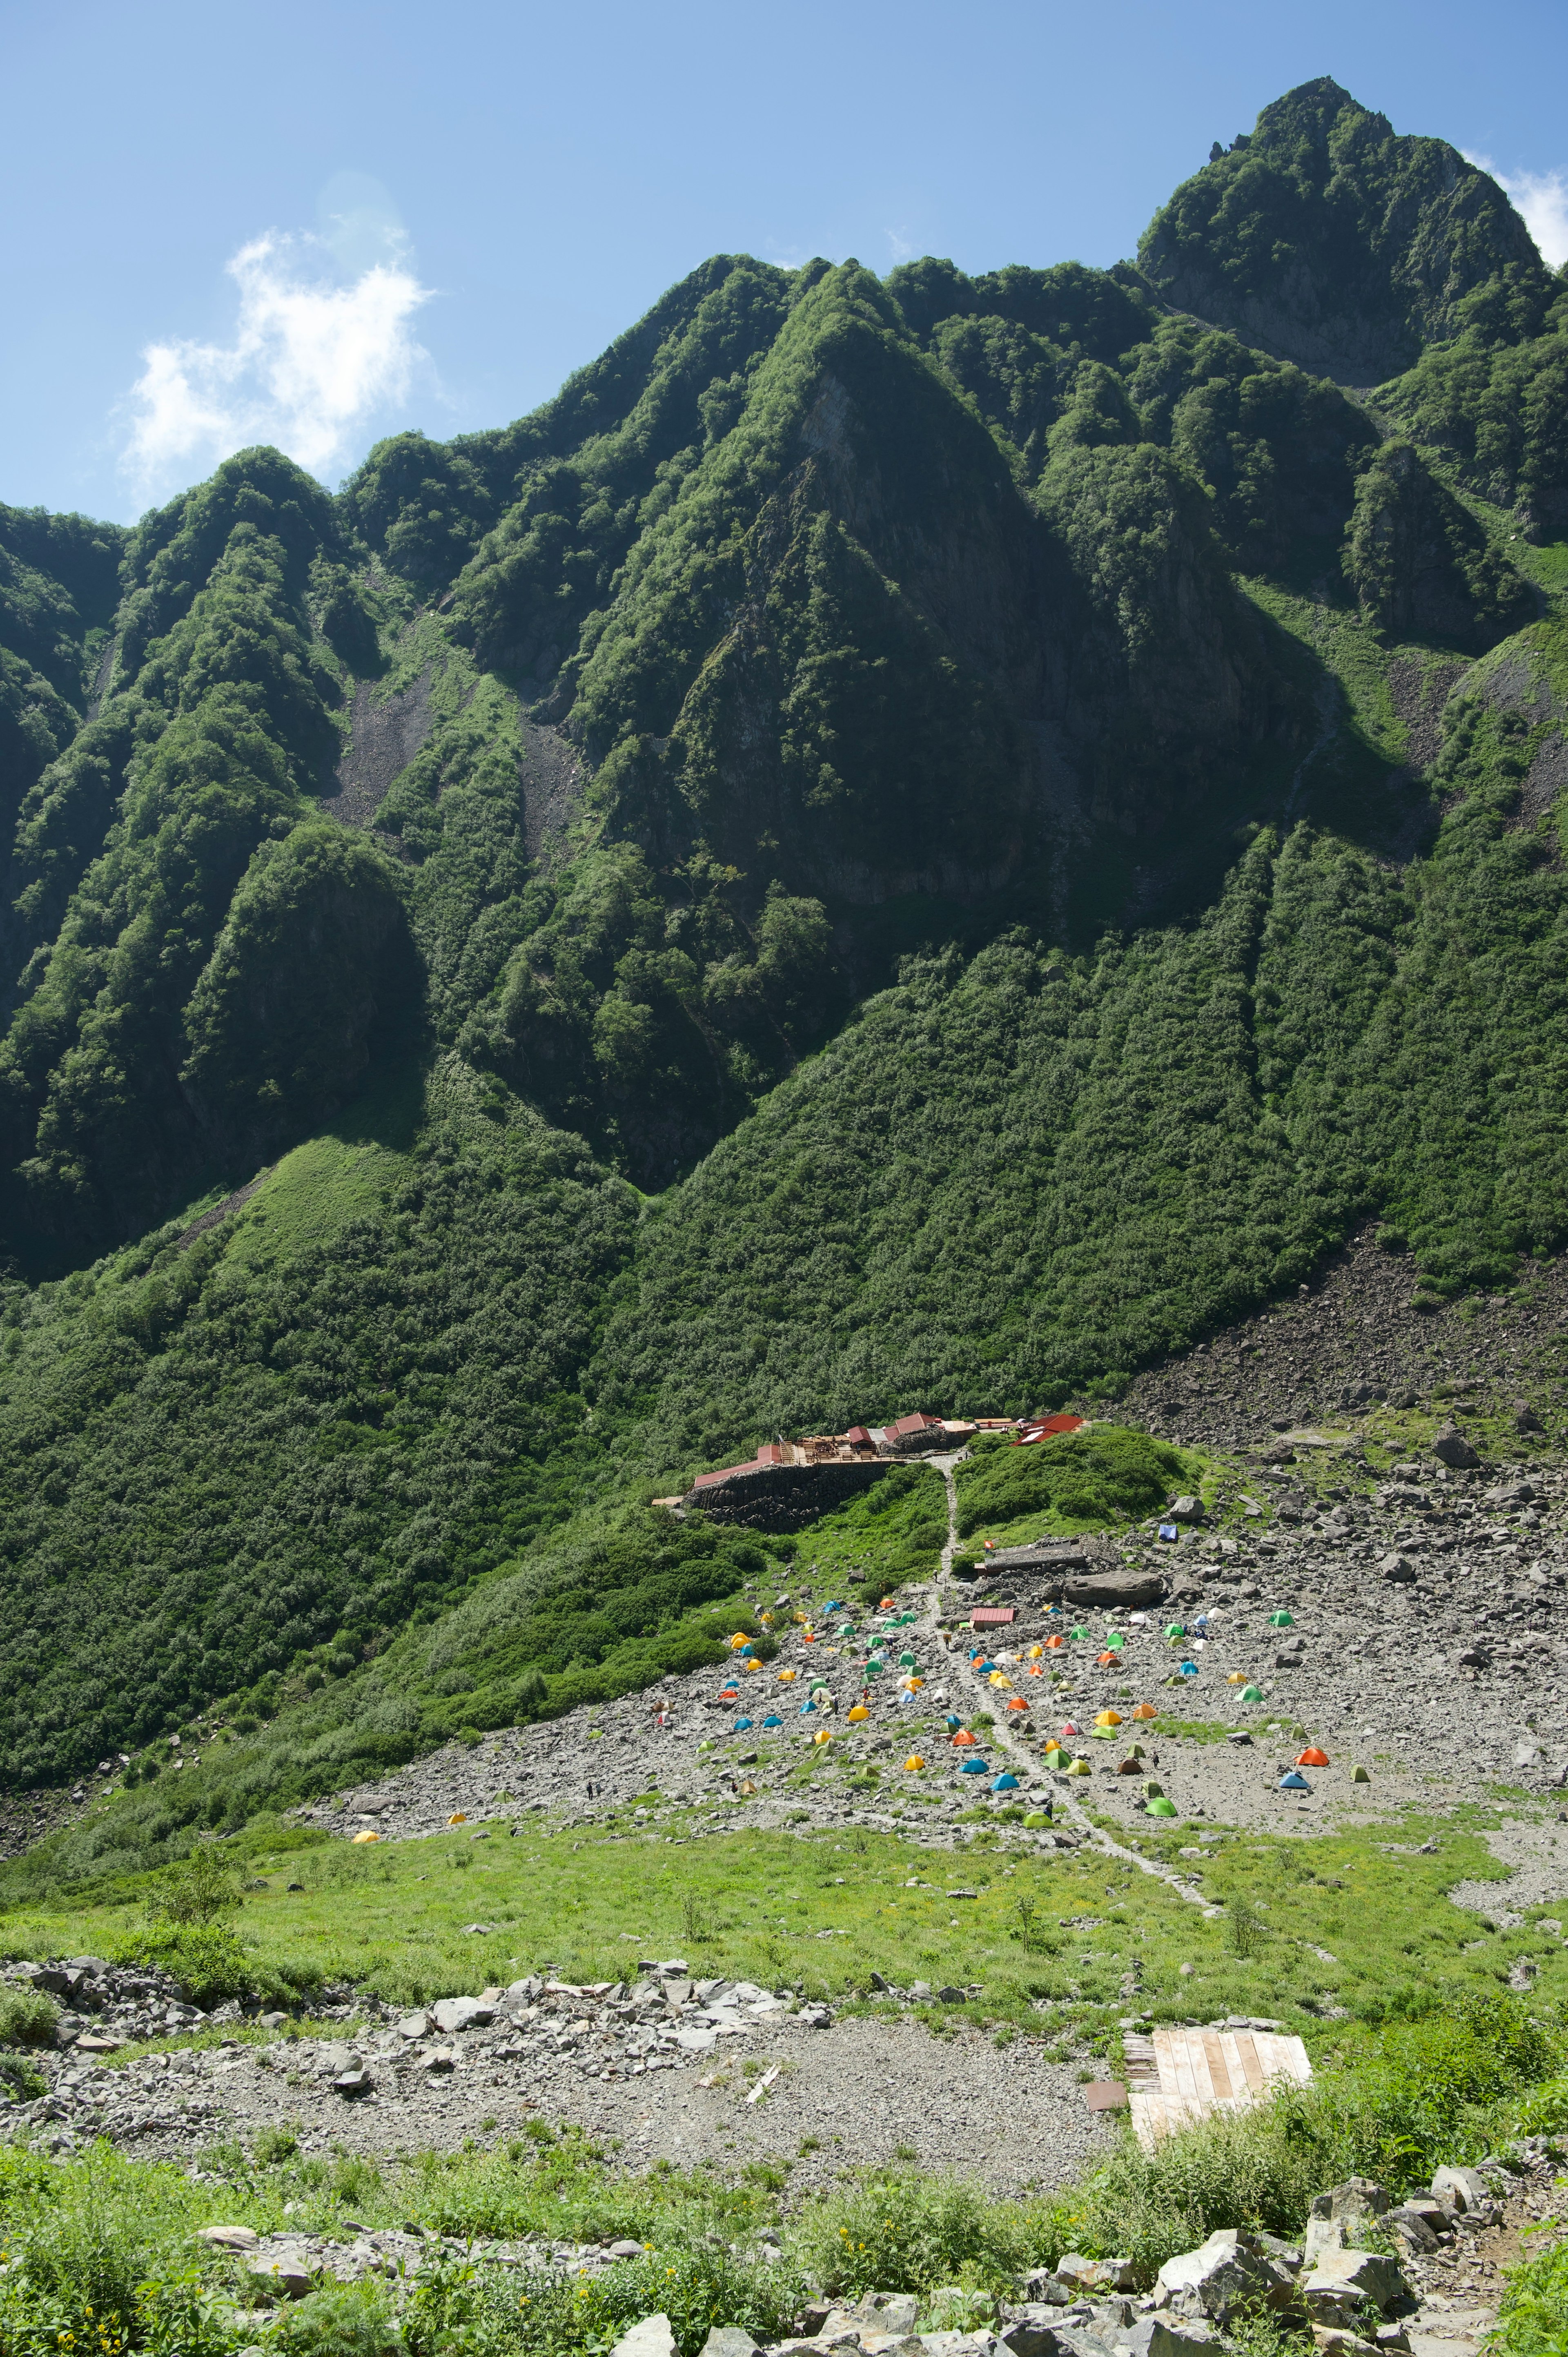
point(1004, 1740)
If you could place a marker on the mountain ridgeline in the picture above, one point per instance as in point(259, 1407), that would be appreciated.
point(903, 842)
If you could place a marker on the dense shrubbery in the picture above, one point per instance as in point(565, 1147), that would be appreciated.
point(1105, 1475)
point(1421, 565)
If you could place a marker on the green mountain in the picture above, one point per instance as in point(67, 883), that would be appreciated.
point(1327, 239)
point(902, 842)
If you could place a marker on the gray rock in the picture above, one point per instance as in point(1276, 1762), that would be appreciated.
point(1343, 2282)
point(1412, 2231)
point(889, 2311)
point(653, 2336)
point(414, 2024)
point(1322, 2234)
point(1359, 2197)
point(1096, 2275)
point(455, 2013)
point(1032, 2336)
point(1158, 2336)
point(1216, 2279)
point(1452, 1448)
point(279, 2278)
point(1131, 1590)
point(728, 2341)
point(1462, 2188)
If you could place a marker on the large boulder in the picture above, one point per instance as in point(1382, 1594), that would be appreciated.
point(1452, 1448)
point(1160, 2336)
point(1095, 2276)
point(1462, 2188)
point(455, 2013)
point(1358, 2197)
point(1128, 1590)
point(1344, 2284)
point(1219, 2277)
point(651, 2336)
point(729, 2341)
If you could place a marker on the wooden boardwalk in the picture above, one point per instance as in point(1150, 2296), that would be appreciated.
point(1182, 2075)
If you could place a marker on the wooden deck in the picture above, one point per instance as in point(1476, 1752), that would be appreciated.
point(1182, 2075)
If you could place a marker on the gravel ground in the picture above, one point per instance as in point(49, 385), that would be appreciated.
point(862, 2091)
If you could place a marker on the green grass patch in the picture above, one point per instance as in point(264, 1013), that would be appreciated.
point(1077, 1482)
point(752, 1904)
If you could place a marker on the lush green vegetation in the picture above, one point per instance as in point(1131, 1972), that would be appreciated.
point(1377, 239)
point(988, 917)
point(1078, 1480)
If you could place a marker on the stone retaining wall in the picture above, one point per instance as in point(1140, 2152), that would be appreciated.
point(780, 1498)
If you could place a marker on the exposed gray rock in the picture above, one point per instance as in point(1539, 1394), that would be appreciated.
point(1344, 2282)
point(653, 2336)
point(1217, 2278)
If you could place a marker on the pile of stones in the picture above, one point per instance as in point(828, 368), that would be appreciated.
point(664, 2020)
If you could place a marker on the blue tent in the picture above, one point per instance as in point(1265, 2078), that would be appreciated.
point(773, 1719)
point(1294, 1782)
point(975, 1767)
point(741, 1725)
point(1005, 1784)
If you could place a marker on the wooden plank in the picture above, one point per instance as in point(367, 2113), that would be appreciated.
point(1240, 2092)
point(1187, 2079)
point(1282, 2058)
point(1218, 2073)
point(1251, 2060)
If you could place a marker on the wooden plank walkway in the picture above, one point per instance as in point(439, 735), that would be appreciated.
point(1182, 2075)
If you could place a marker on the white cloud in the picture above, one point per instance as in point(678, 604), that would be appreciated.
point(1542, 199)
point(311, 361)
point(902, 248)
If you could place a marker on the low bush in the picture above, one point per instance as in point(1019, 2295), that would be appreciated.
point(21, 2078)
point(1532, 2319)
point(907, 2232)
point(1544, 2111)
point(342, 2320)
point(100, 2248)
point(27, 2018)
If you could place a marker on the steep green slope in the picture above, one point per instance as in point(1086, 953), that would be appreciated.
point(1060, 822)
point(1327, 239)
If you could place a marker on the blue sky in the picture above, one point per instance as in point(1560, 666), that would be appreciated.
point(317, 223)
